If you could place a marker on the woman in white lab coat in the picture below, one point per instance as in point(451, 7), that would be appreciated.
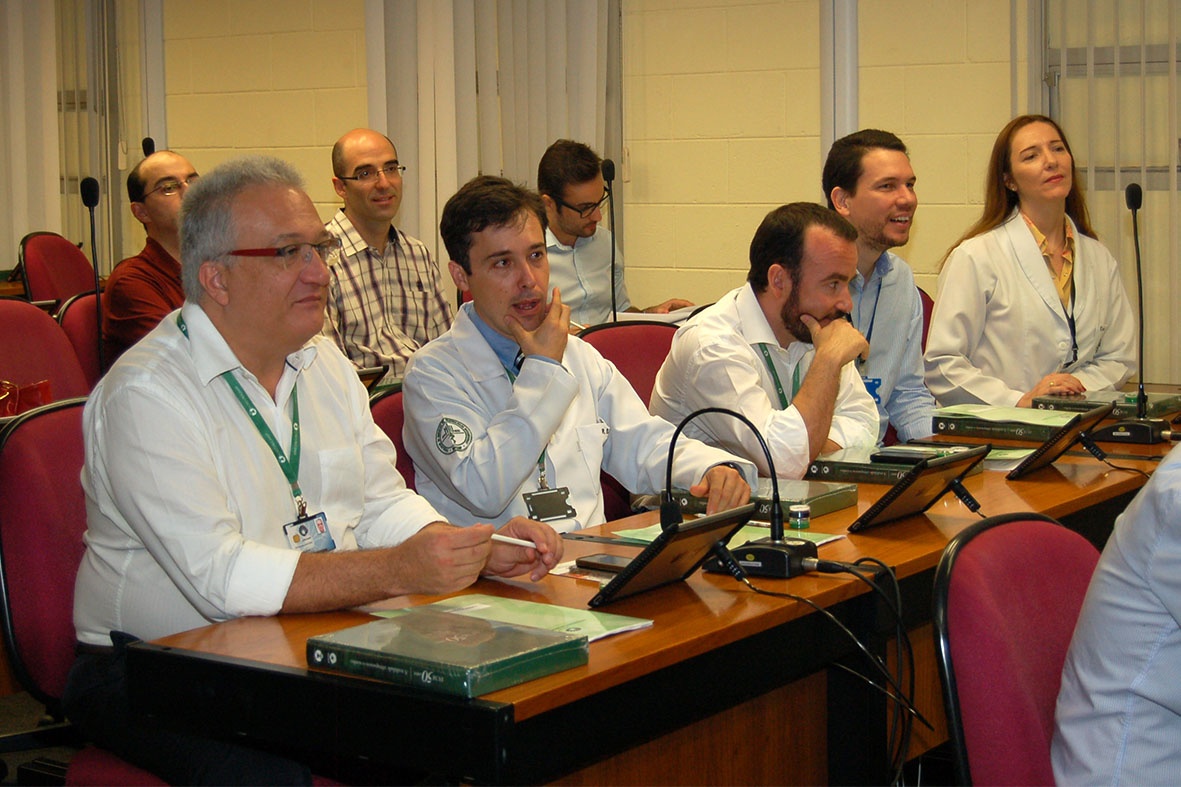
point(1029, 302)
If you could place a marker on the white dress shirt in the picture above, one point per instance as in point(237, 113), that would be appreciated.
point(715, 361)
point(186, 503)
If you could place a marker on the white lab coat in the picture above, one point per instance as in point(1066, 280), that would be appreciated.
point(999, 326)
point(583, 413)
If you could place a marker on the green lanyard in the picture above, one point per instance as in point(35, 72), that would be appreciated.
point(542, 483)
point(795, 378)
point(290, 467)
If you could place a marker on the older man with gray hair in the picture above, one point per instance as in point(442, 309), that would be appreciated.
point(232, 468)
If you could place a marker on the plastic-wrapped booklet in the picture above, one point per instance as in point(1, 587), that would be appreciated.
point(446, 652)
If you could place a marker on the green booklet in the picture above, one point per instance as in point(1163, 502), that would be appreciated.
point(822, 497)
point(567, 620)
point(1014, 423)
point(446, 653)
point(744, 534)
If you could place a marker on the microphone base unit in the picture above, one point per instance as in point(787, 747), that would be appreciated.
point(767, 558)
point(1144, 431)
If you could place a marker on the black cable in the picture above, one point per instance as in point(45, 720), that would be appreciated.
point(1094, 450)
point(735, 570)
point(670, 511)
point(902, 726)
point(901, 730)
point(904, 654)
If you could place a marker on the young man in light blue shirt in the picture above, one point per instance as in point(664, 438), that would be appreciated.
point(868, 180)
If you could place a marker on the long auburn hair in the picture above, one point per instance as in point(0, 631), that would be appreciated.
point(999, 201)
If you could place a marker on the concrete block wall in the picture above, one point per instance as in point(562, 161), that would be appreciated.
point(277, 77)
point(722, 124)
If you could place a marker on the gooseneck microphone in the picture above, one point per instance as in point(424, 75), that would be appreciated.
point(148, 145)
point(89, 189)
point(1141, 429)
point(1134, 197)
point(608, 167)
point(608, 172)
point(774, 556)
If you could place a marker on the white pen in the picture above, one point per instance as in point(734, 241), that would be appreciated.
point(520, 542)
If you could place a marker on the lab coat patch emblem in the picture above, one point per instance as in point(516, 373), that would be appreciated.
point(452, 436)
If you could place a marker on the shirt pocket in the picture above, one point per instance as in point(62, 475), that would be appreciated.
point(591, 439)
point(335, 484)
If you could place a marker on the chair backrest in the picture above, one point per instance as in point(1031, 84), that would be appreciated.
point(928, 306)
point(389, 416)
point(1008, 591)
point(42, 519)
point(34, 347)
point(636, 347)
point(54, 268)
point(78, 317)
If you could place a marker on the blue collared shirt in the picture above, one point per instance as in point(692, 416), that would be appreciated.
point(888, 312)
point(505, 348)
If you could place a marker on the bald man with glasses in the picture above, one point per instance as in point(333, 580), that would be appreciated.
point(570, 179)
point(144, 288)
point(386, 298)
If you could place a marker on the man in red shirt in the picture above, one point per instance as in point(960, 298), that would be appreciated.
point(144, 288)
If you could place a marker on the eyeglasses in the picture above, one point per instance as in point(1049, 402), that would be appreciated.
point(584, 210)
point(172, 185)
point(368, 175)
point(301, 253)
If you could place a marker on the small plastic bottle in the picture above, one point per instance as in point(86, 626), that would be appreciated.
point(799, 517)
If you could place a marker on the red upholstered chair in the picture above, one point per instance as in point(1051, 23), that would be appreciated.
point(891, 437)
point(78, 318)
point(928, 306)
point(33, 347)
point(42, 519)
point(636, 347)
point(1007, 596)
point(389, 416)
point(54, 269)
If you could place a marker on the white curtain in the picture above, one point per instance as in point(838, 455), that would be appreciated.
point(30, 199)
point(470, 87)
point(1113, 82)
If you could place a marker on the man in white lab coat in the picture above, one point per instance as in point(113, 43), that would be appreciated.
point(507, 413)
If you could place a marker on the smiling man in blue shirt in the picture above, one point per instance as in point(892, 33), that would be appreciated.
point(868, 180)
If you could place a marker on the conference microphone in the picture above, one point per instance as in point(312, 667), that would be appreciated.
point(774, 556)
point(1141, 429)
point(1133, 196)
point(149, 146)
point(89, 189)
point(608, 167)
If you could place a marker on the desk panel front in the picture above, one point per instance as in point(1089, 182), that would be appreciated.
point(726, 687)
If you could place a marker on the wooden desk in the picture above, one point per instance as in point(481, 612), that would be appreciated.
point(726, 687)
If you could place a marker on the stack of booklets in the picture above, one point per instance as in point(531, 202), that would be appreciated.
point(1008, 423)
point(1159, 404)
point(877, 466)
point(466, 645)
point(822, 497)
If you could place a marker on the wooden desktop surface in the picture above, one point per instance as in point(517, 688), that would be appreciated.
point(695, 620)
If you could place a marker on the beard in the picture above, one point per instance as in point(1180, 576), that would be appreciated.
point(880, 240)
point(790, 315)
